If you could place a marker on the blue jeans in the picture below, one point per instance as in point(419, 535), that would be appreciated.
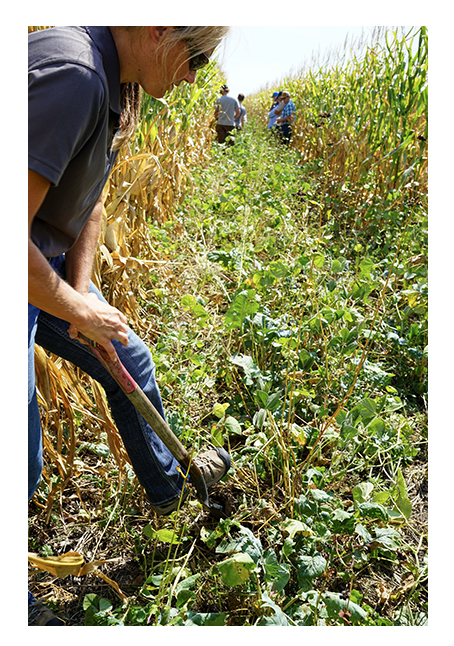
point(285, 132)
point(154, 465)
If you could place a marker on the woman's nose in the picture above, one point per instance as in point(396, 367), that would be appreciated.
point(190, 77)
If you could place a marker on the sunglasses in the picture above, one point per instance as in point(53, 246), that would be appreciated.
point(197, 60)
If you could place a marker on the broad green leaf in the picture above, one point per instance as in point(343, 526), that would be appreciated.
point(211, 536)
point(250, 368)
point(310, 567)
point(275, 573)
point(348, 432)
point(91, 601)
point(366, 265)
point(361, 493)
point(149, 531)
point(321, 496)
point(233, 426)
point(307, 359)
point(363, 532)
point(167, 536)
point(335, 604)
point(336, 266)
point(306, 506)
point(273, 401)
point(259, 418)
point(191, 304)
point(288, 546)
point(381, 497)
point(342, 521)
point(387, 537)
point(244, 542)
point(278, 270)
point(376, 426)
point(293, 527)
point(217, 436)
point(319, 260)
point(373, 510)
point(184, 590)
point(245, 304)
point(223, 257)
point(188, 583)
point(205, 618)
point(104, 605)
point(277, 618)
point(393, 403)
point(367, 408)
point(236, 570)
point(262, 396)
point(219, 410)
point(403, 503)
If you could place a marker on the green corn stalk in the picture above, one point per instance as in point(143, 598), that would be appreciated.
point(365, 113)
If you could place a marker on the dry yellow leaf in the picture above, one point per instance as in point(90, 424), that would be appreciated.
point(112, 583)
point(59, 566)
point(72, 563)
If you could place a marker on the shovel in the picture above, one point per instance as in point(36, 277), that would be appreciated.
point(144, 406)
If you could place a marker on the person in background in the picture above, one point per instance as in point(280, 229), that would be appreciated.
point(275, 110)
point(226, 110)
point(240, 120)
point(285, 121)
point(84, 86)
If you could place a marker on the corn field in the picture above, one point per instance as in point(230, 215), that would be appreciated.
point(361, 137)
point(365, 115)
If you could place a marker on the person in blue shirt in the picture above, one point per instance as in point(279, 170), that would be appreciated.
point(285, 121)
point(240, 120)
point(274, 110)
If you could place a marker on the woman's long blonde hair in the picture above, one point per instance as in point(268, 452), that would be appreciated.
point(203, 39)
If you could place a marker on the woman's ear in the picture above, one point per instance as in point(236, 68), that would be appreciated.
point(156, 33)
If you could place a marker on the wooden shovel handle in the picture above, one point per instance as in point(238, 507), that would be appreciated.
point(140, 401)
point(144, 406)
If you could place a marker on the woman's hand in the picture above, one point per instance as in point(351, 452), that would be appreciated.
point(101, 323)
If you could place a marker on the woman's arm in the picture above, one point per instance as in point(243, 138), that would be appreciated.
point(79, 259)
point(70, 300)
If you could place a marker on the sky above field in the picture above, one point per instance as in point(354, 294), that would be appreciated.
point(255, 57)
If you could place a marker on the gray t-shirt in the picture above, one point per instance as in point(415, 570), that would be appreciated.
point(74, 111)
point(227, 107)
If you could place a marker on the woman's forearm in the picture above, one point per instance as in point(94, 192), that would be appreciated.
point(85, 313)
point(49, 292)
point(79, 259)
